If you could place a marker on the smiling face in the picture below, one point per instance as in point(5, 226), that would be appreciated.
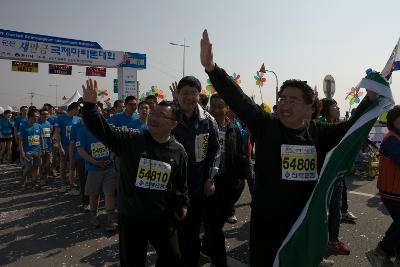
point(188, 98)
point(218, 109)
point(161, 120)
point(292, 111)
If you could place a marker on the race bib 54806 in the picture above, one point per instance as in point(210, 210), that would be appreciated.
point(153, 174)
point(99, 150)
point(201, 145)
point(299, 162)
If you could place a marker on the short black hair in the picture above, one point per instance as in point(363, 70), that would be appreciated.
point(47, 105)
point(7, 111)
point(326, 104)
point(129, 98)
point(216, 96)
point(72, 106)
point(392, 115)
point(116, 102)
point(22, 107)
point(204, 100)
point(176, 111)
point(32, 112)
point(32, 107)
point(308, 92)
point(142, 103)
point(189, 81)
point(151, 97)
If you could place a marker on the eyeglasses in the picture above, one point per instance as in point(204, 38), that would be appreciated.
point(160, 115)
point(290, 101)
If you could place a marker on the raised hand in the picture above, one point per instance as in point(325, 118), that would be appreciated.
point(90, 91)
point(174, 90)
point(206, 54)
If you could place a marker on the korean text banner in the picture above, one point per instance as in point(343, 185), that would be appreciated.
point(60, 69)
point(16, 49)
point(25, 66)
point(96, 71)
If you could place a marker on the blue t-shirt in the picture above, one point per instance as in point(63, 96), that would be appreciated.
point(6, 127)
point(122, 120)
point(136, 124)
point(74, 137)
point(30, 134)
point(93, 147)
point(19, 121)
point(46, 133)
point(52, 119)
point(64, 123)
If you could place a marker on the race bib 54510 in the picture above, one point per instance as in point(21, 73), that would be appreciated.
point(299, 162)
point(153, 174)
point(201, 145)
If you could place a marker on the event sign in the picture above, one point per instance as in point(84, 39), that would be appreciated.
point(40, 48)
point(25, 66)
point(60, 69)
point(96, 71)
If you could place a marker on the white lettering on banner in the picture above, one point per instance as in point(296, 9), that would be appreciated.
point(55, 53)
point(201, 146)
point(153, 174)
point(99, 150)
point(299, 162)
point(34, 140)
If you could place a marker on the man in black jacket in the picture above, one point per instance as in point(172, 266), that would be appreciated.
point(229, 183)
point(289, 153)
point(152, 188)
point(198, 133)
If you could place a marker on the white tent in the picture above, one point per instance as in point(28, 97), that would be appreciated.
point(73, 98)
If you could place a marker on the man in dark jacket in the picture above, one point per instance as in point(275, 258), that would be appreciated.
point(152, 187)
point(229, 183)
point(198, 133)
point(289, 153)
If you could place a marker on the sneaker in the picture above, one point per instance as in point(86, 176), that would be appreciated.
point(348, 216)
point(377, 257)
point(232, 219)
point(94, 221)
point(338, 248)
point(74, 192)
point(111, 226)
point(326, 262)
point(86, 207)
point(37, 187)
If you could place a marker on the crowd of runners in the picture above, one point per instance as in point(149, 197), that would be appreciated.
point(167, 168)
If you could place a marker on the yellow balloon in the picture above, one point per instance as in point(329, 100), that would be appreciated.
point(267, 108)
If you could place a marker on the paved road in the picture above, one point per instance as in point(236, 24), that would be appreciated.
point(47, 228)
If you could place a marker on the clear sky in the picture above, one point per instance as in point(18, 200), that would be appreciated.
point(296, 39)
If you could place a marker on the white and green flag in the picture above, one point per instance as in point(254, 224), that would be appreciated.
point(305, 244)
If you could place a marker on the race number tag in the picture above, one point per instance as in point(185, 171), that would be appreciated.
point(153, 174)
point(99, 150)
point(201, 145)
point(46, 132)
point(68, 131)
point(222, 135)
point(33, 140)
point(299, 163)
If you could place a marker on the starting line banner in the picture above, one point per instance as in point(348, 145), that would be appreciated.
point(40, 48)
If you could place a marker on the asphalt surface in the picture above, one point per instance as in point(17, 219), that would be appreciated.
point(48, 228)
